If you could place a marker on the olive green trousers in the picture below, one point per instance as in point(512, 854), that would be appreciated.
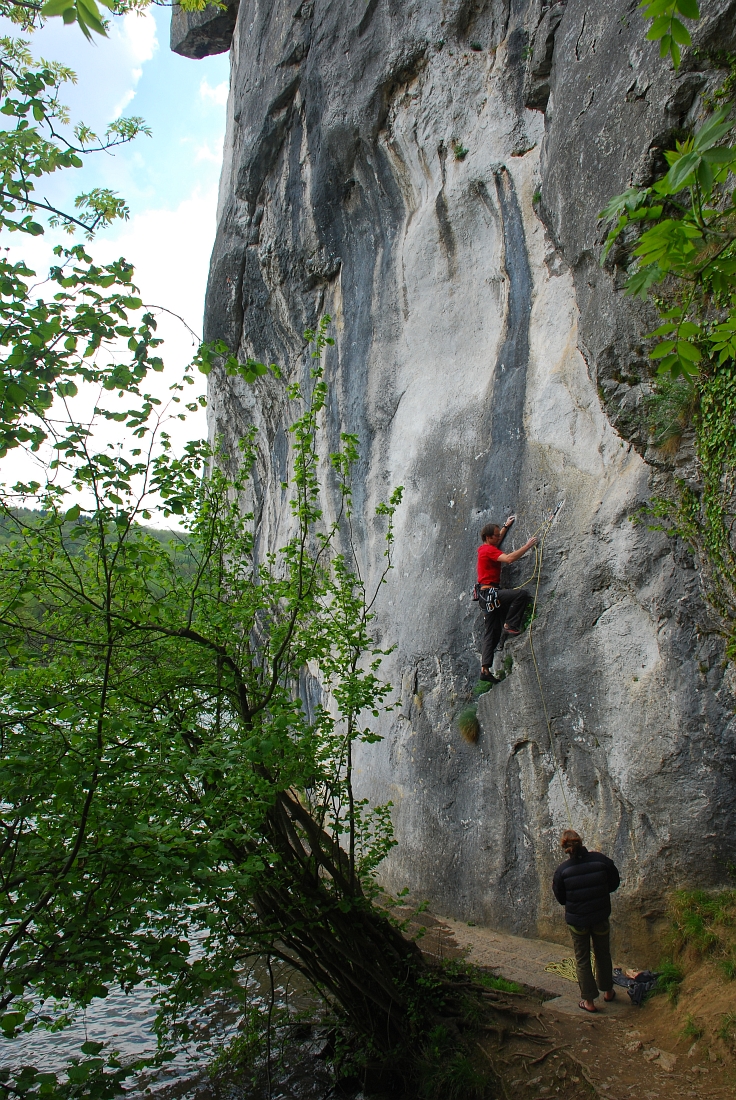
point(581, 939)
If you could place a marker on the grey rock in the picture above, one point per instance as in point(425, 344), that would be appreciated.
point(487, 363)
point(198, 34)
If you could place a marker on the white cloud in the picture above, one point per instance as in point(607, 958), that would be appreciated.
point(171, 252)
point(217, 95)
point(109, 69)
point(129, 95)
point(139, 34)
point(207, 154)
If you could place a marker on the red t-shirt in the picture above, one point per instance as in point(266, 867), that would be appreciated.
point(489, 567)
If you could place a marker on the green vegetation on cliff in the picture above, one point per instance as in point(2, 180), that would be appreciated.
point(677, 239)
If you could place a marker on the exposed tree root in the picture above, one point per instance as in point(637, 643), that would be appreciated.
point(586, 1075)
point(541, 1057)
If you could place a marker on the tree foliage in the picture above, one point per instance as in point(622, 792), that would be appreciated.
point(667, 27)
point(162, 780)
point(691, 246)
point(677, 239)
point(51, 331)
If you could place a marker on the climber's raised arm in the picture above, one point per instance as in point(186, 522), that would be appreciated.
point(506, 559)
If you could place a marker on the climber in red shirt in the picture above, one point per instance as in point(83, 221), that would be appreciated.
point(503, 608)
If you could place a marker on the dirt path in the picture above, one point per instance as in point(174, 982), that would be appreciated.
point(622, 1051)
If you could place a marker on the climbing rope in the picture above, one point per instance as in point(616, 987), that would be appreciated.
point(539, 554)
point(548, 523)
point(566, 968)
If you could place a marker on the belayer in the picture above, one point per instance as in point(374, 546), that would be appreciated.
point(584, 884)
point(503, 608)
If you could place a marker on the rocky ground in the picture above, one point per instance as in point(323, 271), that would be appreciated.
point(651, 1052)
point(533, 1037)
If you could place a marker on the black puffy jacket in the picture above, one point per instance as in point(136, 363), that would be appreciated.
point(583, 886)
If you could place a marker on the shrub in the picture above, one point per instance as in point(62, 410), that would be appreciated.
point(448, 1073)
point(468, 725)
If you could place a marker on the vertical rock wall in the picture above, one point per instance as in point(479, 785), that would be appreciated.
point(430, 174)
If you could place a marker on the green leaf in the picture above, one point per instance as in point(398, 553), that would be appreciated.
point(650, 8)
point(688, 8)
point(680, 33)
point(56, 7)
point(705, 177)
point(717, 126)
point(662, 349)
point(680, 171)
point(659, 28)
point(90, 1047)
point(688, 329)
point(725, 155)
point(688, 351)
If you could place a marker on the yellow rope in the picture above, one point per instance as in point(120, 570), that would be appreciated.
point(538, 570)
point(567, 969)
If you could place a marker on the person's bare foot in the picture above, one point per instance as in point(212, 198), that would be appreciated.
point(588, 1006)
point(609, 995)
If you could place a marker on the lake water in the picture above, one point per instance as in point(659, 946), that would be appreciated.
point(125, 1024)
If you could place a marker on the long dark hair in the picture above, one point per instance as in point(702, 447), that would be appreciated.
point(572, 842)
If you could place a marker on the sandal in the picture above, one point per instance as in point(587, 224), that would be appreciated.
point(609, 995)
point(582, 1004)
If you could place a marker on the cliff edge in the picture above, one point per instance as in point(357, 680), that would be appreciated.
point(431, 174)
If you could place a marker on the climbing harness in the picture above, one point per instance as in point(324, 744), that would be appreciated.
point(486, 598)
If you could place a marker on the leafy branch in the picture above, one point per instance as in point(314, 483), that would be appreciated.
point(691, 247)
point(667, 28)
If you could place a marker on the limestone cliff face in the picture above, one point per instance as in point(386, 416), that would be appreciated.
point(430, 173)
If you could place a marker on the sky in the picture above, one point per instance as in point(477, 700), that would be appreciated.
point(168, 180)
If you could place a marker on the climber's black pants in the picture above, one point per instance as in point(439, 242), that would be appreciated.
point(514, 602)
point(581, 937)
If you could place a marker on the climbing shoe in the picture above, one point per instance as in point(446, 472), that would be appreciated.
point(488, 678)
point(511, 630)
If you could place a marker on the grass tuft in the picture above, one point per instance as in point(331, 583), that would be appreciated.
point(691, 1030)
point(727, 1029)
point(468, 725)
point(703, 921)
point(669, 980)
point(727, 968)
point(503, 985)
